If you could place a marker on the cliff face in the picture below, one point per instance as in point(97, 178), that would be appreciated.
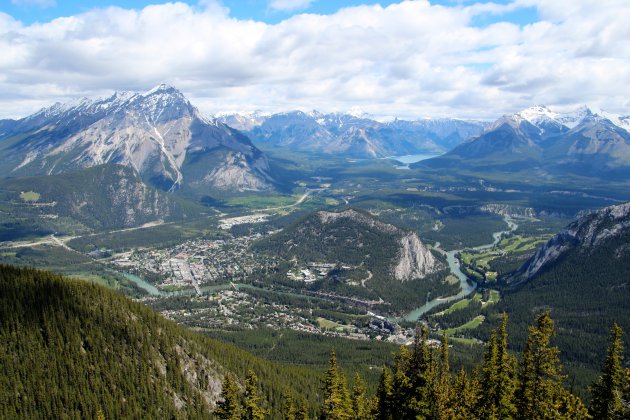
point(585, 234)
point(416, 261)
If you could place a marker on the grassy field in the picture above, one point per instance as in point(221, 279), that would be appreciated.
point(470, 325)
point(460, 304)
point(331, 325)
point(30, 196)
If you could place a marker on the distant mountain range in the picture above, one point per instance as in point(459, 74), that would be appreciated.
point(355, 136)
point(537, 139)
point(158, 133)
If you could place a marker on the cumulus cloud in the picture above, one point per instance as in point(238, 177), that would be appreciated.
point(409, 59)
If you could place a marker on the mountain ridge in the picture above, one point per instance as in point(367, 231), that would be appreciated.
point(159, 133)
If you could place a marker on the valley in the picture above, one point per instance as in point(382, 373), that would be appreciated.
point(340, 246)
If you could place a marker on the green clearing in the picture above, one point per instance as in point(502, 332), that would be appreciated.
point(494, 297)
point(460, 304)
point(470, 325)
point(331, 325)
point(30, 196)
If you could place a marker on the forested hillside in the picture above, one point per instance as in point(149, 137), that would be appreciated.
point(70, 349)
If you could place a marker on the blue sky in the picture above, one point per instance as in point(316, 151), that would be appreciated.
point(414, 58)
point(31, 11)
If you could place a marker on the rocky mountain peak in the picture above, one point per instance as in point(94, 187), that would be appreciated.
point(585, 233)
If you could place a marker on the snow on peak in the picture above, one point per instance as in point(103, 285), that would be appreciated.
point(538, 114)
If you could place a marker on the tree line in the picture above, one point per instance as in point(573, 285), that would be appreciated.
point(421, 385)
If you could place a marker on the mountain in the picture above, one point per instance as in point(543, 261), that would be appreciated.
point(102, 197)
point(609, 226)
point(159, 134)
point(581, 142)
point(355, 136)
point(582, 275)
point(348, 236)
point(71, 349)
point(377, 260)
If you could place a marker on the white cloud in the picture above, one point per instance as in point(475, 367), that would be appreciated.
point(407, 59)
point(289, 5)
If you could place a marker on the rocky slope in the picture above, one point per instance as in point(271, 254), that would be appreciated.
point(159, 134)
point(583, 235)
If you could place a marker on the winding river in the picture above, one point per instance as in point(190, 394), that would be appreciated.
point(467, 287)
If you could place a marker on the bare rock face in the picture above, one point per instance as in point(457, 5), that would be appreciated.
point(236, 173)
point(416, 260)
point(585, 233)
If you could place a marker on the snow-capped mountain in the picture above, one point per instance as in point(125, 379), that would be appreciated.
point(353, 134)
point(159, 134)
point(581, 142)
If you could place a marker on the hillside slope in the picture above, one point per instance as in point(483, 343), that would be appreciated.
point(102, 197)
point(583, 276)
point(70, 349)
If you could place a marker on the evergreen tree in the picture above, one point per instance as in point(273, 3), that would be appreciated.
point(442, 396)
point(385, 395)
point(288, 405)
point(540, 394)
point(489, 381)
point(252, 409)
point(607, 392)
point(360, 402)
point(228, 408)
point(466, 391)
point(337, 404)
point(302, 412)
point(498, 384)
point(422, 374)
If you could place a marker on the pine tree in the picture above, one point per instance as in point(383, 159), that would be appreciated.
point(498, 384)
point(288, 405)
point(442, 385)
point(540, 394)
point(302, 413)
point(229, 408)
point(360, 402)
point(489, 381)
point(422, 373)
point(385, 395)
point(607, 391)
point(252, 409)
point(337, 403)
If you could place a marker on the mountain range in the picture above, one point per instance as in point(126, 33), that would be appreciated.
point(354, 136)
point(159, 134)
point(545, 142)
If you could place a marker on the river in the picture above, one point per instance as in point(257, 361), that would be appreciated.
point(467, 287)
